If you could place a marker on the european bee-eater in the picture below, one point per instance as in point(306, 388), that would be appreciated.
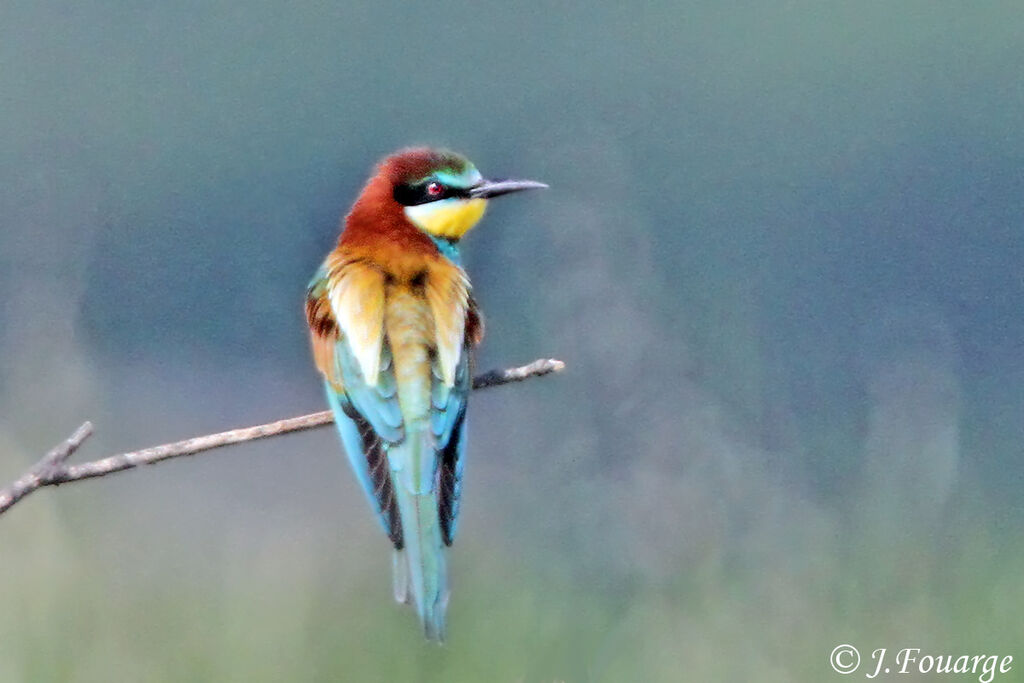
point(393, 323)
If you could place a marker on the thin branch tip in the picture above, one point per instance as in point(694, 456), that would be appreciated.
point(52, 470)
point(83, 432)
point(54, 460)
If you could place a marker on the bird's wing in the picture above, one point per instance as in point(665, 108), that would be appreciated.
point(448, 418)
point(367, 415)
point(323, 328)
point(474, 324)
point(447, 421)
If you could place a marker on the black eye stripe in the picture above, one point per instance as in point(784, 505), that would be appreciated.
point(412, 194)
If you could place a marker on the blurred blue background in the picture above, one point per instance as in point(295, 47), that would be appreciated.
point(781, 254)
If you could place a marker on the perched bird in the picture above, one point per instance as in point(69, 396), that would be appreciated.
point(393, 323)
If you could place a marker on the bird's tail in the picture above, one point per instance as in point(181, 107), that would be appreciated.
point(421, 574)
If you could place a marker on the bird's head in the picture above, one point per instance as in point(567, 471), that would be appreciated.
point(441, 192)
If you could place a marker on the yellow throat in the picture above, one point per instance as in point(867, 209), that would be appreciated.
point(448, 219)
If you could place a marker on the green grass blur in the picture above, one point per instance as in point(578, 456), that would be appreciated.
point(112, 581)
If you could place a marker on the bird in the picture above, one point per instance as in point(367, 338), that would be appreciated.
point(393, 323)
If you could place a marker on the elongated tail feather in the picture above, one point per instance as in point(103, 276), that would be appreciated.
point(413, 463)
point(400, 576)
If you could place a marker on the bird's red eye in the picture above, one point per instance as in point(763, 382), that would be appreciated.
point(435, 189)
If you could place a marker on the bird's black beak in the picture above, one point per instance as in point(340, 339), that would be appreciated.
point(486, 189)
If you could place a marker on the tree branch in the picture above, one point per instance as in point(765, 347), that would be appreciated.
point(53, 469)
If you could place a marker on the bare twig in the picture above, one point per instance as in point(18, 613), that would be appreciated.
point(41, 473)
point(538, 368)
point(53, 469)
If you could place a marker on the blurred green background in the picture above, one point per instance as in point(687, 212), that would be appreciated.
point(781, 254)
